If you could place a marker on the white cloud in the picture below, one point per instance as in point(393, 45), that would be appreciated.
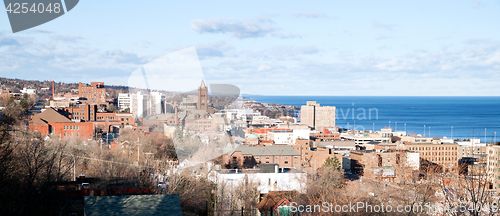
point(69, 38)
point(392, 65)
point(285, 35)
point(215, 49)
point(492, 60)
point(310, 14)
point(264, 68)
point(381, 25)
point(251, 28)
point(257, 27)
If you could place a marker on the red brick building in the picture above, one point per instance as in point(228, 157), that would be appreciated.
point(202, 97)
point(88, 113)
point(251, 156)
point(93, 92)
point(82, 112)
point(313, 158)
point(53, 122)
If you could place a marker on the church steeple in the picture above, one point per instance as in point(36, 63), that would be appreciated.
point(202, 97)
point(203, 86)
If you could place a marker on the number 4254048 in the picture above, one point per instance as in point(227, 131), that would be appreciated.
point(34, 8)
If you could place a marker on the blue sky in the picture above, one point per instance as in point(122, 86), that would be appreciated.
point(273, 47)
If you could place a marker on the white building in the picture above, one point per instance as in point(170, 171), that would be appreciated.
point(301, 134)
point(281, 180)
point(123, 101)
point(281, 137)
point(147, 104)
point(413, 160)
point(139, 105)
point(156, 103)
point(241, 114)
point(28, 91)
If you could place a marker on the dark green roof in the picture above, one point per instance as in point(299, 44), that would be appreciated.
point(165, 204)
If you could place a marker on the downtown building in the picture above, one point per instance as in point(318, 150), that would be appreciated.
point(147, 104)
point(123, 101)
point(95, 92)
point(318, 117)
point(445, 155)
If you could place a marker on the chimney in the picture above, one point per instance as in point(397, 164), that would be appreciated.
point(176, 116)
point(53, 90)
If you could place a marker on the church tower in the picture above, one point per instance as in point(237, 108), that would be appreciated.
point(202, 97)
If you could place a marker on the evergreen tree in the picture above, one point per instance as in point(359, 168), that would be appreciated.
point(332, 163)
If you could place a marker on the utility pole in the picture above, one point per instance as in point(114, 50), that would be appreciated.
point(138, 154)
point(74, 165)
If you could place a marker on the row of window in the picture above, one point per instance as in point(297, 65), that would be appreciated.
point(439, 153)
point(71, 134)
point(71, 127)
point(442, 159)
point(276, 157)
point(112, 118)
point(433, 148)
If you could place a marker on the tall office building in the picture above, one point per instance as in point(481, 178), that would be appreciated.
point(147, 104)
point(316, 116)
point(157, 103)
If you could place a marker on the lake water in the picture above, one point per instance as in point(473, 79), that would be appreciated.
point(469, 116)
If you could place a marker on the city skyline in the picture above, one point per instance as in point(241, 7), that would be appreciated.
point(342, 49)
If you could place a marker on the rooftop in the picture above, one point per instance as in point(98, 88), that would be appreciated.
point(266, 150)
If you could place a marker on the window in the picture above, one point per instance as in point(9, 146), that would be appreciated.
point(64, 127)
point(123, 119)
point(276, 157)
point(256, 157)
point(286, 157)
point(286, 162)
point(267, 157)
